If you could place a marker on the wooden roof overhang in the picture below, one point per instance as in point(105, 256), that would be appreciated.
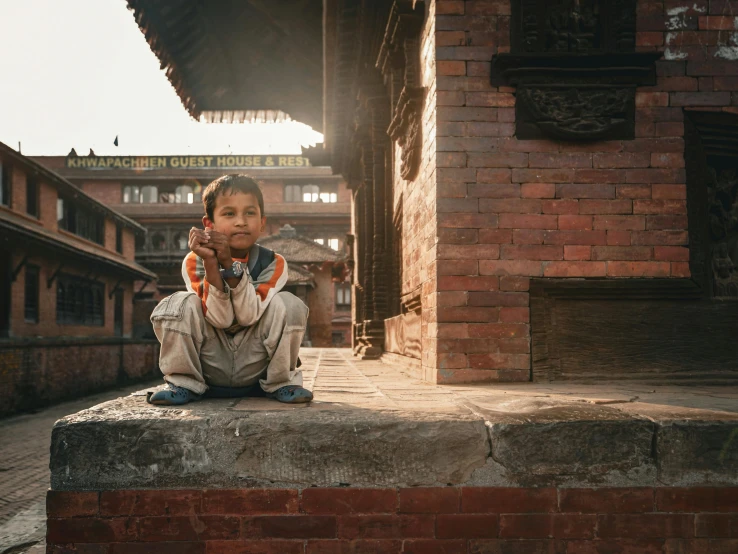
point(238, 61)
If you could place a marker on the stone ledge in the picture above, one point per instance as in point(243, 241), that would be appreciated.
point(373, 426)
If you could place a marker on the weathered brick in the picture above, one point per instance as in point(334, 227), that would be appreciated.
point(649, 99)
point(669, 192)
point(508, 500)
point(468, 282)
point(671, 253)
point(675, 207)
point(515, 315)
point(467, 220)
point(716, 525)
point(457, 267)
point(471, 314)
point(386, 526)
point(430, 500)
point(290, 527)
point(501, 190)
point(618, 238)
point(450, 7)
point(450, 526)
point(368, 546)
point(667, 159)
point(657, 222)
point(458, 236)
point(566, 206)
point(633, 253)
point(510, 205)
point(579, 253)
point(538, 190)
point(450, 38)
point(527, 221)
point(511, 267)
point(561, 175)
point(490, 99)
point(573, 269)
point(581, 190)
point(188, 528)
point(531, 252)
point(586, 238)
point(660, 238)
point(495, 236)
point(512, 283)
point(560, 160)
point(622, 206)
point(249, 501)
point(71, 503)
point(497, 159)
point(617, 160)
point(697, 499)
point(497, 331)
point(132, 502)
point(91, 530)
point(644, 526)
point(528, 236)
point(638, 269)
point(620, 222)
point(468, 251)
point(499, 361)
point(348, 501)
point(575, 222)
point(467, 114)
point(433, 546)
point(560, 526)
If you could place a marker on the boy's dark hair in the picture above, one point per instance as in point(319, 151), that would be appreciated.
point(233, 182)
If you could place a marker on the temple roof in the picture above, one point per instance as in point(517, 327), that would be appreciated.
point(298, 249)
point(239, 61)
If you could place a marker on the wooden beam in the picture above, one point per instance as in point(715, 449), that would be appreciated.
point(51, 279)
point(16, 271)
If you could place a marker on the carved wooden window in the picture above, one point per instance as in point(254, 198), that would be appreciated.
point(711, 154)
point(575, 68)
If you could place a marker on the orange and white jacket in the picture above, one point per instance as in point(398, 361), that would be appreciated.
point(265, 274)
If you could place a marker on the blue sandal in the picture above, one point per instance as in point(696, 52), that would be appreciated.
point(291, 394)
point(172, 396)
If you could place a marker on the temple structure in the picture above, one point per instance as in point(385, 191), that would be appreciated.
point(541, 190)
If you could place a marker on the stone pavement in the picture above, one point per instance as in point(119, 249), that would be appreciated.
point(24, 460)
point(373, 424)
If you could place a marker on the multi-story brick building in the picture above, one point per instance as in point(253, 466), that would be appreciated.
point(541, 189)
point(163, 193)
point(67, 289)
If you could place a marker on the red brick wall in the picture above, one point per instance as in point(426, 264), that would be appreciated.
point(38, 374)
point(423, 520)
point(47, 325)
point(107, 192)
point(510, 209)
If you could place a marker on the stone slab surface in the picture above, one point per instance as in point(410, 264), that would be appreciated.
point(372, 424)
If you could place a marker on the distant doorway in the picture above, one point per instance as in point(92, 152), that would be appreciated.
point(5, 284)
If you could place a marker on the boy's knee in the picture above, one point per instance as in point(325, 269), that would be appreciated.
point(295, 310)
point(178, 307)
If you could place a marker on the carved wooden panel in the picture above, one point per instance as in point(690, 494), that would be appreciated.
point(630, 329)
point(711, 152)
point(575, 67)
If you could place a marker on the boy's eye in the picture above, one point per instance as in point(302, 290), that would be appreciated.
point(228, 213)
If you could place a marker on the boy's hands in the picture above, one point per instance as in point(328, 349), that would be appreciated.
point(198, 241)
point(209, 244)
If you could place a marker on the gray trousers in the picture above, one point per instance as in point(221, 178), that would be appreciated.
point(194, 354)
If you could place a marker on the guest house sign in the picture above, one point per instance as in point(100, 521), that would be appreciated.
point(184, 162)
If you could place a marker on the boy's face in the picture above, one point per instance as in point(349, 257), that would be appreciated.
point(238, 217)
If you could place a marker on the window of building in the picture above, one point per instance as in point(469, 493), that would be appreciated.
point(343, 296)
point(31, 294)
point(337, 338)
point(149, 194)
point(184, 194)
point(80, 221)
point(310, 193)
point(331, 243)
point(181, 241)
point(32, 196)
point(6, 177)
point(159, 241)
point(118, 238)
point(292, 193)
point(79, 301)
point(131, 194)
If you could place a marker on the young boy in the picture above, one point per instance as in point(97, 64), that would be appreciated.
point(233, 332)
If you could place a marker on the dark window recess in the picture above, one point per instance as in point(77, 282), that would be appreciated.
point(343, 296)
point(32, 196)
point(6, 175)
point(31, 294)
point(79, 301)
point(81, 222)
point(119, 239)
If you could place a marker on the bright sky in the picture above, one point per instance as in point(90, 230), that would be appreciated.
point(76, 73)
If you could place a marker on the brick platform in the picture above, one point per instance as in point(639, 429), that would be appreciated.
point(415, 520)
point(381, 462)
